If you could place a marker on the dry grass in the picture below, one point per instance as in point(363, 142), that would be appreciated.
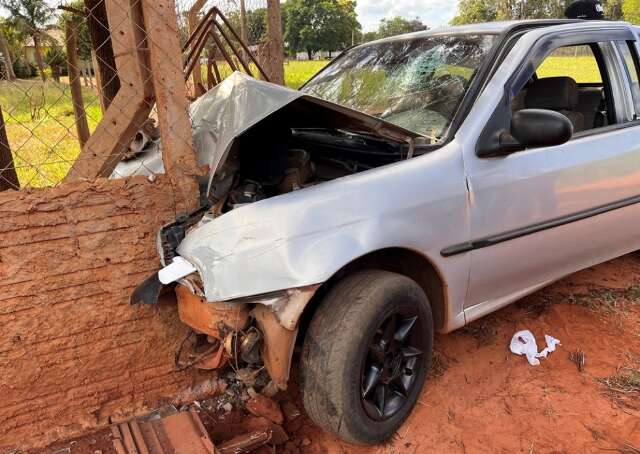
point(623, 387)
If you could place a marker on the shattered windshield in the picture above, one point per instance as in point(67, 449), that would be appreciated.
point(415, 83)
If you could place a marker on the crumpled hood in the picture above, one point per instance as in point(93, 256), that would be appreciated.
point(231, 108)
point(240, 102)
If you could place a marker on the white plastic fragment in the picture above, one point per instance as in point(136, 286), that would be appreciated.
point(178, 269)
point(524, 343)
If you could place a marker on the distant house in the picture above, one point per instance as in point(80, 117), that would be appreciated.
point(54, 36)
point(321, 55)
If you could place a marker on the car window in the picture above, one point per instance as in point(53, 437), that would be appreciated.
point(570, 81)
point(577, 62)
point(631, 66)
point(416, 83)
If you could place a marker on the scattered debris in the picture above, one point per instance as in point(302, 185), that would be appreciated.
point(524, 343)
point(273, 434)
point(179, 433)
point(578, 357)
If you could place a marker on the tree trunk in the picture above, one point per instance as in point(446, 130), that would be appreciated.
point(106, 71)
point(39, 61)
point(4, 47)
point(74, 80)
point(244, 34)
point(8, 176)
point(276, 43)
point(309, 54)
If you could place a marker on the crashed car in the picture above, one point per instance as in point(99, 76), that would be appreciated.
point(414, 185)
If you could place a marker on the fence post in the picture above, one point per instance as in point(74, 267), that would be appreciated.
point(8, 176)
point(165, 58)
point(130, 108)
point(74, 80)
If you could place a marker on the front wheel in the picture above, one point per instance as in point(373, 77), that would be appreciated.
point(366, 355)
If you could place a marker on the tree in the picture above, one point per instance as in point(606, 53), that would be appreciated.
point(82, 30)
point(399, 26)
point(33, 16)
point(313, 25)
point(6, 54)
point(275, 42)
point(256, 24)
point(631, 10)
point(473, 11)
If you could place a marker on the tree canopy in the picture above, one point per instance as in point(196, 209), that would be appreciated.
point(256, 24)
point(473, 11)
point(313, 25)
point(399, 26)
point(33, 15)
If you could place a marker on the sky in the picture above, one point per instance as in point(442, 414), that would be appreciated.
point(431, 12)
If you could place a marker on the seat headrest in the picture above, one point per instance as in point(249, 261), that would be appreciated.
point(553, 93)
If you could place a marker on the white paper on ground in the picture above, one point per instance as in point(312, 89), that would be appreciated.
point(524, 343)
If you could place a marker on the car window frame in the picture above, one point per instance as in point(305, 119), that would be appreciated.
point(632, 47)
point(546, 44)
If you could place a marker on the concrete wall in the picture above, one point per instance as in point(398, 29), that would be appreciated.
point(73, 354)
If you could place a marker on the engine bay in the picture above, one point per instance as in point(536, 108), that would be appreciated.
point(303, 157)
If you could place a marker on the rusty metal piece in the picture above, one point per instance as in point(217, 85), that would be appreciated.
point(277, 349)
point(213, 319)
point(249, 346)
point(214, 23)
point(273, 434)
point(181, 433)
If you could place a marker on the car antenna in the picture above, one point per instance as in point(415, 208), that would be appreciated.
point(586, 10)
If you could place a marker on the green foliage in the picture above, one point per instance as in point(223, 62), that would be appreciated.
point(31, 15)
point(24, 70)
point(399, 26)
point(473, 11)
point(82, 30)
point(256, 24)
point(55, 56)
point(631, 10)
point(313, 25)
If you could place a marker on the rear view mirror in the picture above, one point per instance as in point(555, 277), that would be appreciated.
point(533, 128)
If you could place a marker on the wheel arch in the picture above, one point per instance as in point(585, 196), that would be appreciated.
point(397, 260)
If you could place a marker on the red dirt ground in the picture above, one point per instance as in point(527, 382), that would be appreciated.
point(482, 398)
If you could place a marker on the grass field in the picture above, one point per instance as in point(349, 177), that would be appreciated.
point(41, 124)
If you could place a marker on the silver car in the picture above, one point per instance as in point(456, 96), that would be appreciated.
point(415, 184)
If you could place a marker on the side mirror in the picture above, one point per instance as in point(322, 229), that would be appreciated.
point(530, 128)
point(534, 128)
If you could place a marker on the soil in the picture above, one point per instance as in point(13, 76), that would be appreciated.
point(482, 398)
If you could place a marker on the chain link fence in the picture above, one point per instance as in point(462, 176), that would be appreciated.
point(90, 89)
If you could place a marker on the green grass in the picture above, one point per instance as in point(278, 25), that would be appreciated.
point(41, 128)
point(581, 69)
point(296, 73)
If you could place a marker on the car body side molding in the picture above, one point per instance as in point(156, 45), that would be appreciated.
point(498, 238)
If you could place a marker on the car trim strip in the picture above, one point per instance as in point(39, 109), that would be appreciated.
point(492, 240)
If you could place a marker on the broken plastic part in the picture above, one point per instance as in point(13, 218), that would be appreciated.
point(178, 269)
point(148, 291)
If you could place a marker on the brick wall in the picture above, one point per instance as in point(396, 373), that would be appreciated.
point(73, 353)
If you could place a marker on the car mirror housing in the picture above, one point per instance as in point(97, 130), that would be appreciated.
point(533, 128)
point(530, 128)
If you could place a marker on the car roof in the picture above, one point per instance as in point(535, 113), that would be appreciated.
point(495, 28)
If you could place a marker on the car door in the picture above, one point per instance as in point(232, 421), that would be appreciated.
point(543, 213)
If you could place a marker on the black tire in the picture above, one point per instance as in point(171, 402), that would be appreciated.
point(348, 326)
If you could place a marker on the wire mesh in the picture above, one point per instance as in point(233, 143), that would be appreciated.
point(68, 85)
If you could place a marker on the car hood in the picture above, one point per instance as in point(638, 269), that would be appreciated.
point(240, 102)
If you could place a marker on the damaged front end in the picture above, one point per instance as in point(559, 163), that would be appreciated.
point(240, 265)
